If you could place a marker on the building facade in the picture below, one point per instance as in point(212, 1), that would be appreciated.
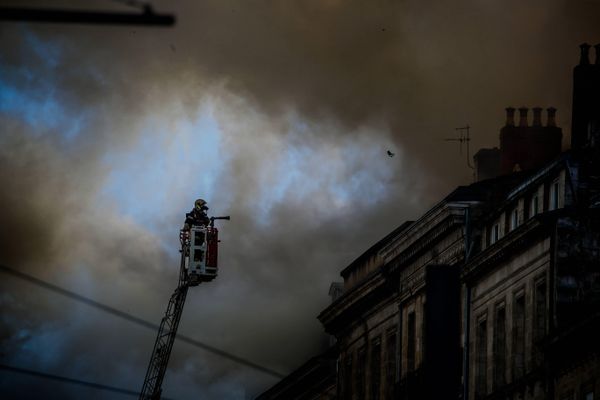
point(494, 293)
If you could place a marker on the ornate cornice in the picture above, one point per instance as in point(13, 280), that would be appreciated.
point(359, 300)
point(426, 227)
point(384, 281)
point(503, 248)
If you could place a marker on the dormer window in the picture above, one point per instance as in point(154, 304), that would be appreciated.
point(554, 195)
point(495, 234)
point(534, 208)
point(514, 219)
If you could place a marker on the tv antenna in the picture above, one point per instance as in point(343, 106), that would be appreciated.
point(463, 138)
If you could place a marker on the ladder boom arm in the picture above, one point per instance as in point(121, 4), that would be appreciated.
point(198, 264)
point(151, 389)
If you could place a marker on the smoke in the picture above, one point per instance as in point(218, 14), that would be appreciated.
point(279, 114)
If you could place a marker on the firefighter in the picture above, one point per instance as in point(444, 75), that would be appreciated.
point(197, 216)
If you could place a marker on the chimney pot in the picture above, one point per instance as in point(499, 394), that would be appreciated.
point(537, 116)
point(551, 116)
point(585, 57)
point(510, 116)
point(523, 116)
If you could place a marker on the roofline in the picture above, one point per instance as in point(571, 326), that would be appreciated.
point(374, 249)
point(540, 173)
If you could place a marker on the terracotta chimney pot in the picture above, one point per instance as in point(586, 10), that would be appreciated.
point(537, 116)
point(551, 116)
point(585, 54)
point(523, 116)
point(510, 116)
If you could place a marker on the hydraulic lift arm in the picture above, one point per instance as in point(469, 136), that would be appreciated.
point(151, 389)
point(198, 264)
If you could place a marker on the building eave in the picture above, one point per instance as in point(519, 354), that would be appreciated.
point(481, 263)
point(350, 306)
point(374, 249)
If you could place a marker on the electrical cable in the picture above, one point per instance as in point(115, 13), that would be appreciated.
point(137, 320)
point(65, 379)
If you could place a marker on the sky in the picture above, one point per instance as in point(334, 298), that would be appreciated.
point(277, 113)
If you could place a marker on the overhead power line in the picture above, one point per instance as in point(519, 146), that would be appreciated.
point(73, 381)
point(137, 320)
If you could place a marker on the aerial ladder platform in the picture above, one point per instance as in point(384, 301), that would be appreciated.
point(199, 256)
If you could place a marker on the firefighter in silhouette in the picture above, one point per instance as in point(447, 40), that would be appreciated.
point(197, 216)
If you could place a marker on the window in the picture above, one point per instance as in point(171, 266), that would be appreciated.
point(481, 363)
point(539, 322)
point(375, 369)
point(347, 378)
point(534, 208)
point(514, 219)
point(554, 195)
point(500, 347)
point(390, 364)
point(495, 234)
point(587, 391)
point(540, 309)
point(361, 361)
point(411, 338)
point(518, 348)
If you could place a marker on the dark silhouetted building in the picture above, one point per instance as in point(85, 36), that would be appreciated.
point(493, 293)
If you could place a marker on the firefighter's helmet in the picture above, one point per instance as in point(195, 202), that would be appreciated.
point(200, 205)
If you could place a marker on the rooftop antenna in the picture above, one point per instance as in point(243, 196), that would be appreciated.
point(463, 138)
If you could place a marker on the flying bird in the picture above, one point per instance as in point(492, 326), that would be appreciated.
point(389, 153)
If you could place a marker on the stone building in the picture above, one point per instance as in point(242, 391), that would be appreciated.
point(494, 293)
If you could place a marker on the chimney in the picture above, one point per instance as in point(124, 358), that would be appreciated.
point(551, 116)
point(585, 49)
point(537, 116)
point(586, 101)
point(510, 116)
point(525, 146)
point(523, 116)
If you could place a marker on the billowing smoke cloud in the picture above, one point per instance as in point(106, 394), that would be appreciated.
point(279, 114)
